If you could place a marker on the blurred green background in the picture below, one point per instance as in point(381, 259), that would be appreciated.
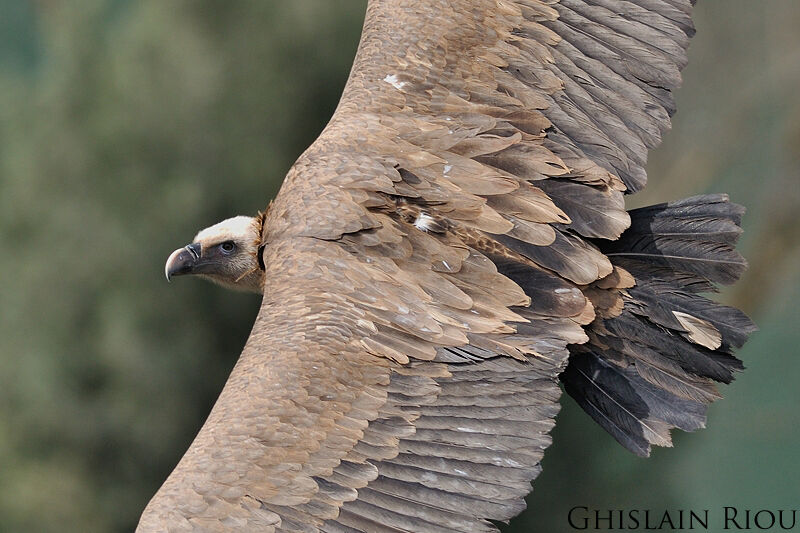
point(127, 125)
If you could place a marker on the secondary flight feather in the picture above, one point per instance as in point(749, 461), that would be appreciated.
point(452, 245)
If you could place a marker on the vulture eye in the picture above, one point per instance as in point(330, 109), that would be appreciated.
point(227, 247)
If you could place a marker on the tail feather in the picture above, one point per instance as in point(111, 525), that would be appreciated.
point(665, 374)
point(652, 366)
point(629, 331)
point(693, 238)
point(733, 325)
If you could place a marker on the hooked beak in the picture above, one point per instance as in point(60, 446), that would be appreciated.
point(182, 261)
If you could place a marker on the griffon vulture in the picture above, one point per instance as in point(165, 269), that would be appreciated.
point(453, 245)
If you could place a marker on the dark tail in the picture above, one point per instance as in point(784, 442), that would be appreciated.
point(653, 366)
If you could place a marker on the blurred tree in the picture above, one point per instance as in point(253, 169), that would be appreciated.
point(126, 125)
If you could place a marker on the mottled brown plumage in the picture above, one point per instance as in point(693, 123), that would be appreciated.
point(452, 242)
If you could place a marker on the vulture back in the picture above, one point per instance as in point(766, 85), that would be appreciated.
point(452, 242)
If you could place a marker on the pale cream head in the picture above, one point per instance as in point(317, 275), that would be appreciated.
point(225, 253)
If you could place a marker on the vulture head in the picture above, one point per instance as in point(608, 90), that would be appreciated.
point(225, 253)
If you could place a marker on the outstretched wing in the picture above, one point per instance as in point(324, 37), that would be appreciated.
point(428, 261)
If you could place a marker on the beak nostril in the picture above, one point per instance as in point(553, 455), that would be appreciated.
point(194, 250)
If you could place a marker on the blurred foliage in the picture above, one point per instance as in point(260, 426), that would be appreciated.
point(127, 125)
